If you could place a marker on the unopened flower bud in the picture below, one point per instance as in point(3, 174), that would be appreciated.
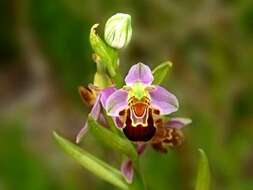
point(118, 30)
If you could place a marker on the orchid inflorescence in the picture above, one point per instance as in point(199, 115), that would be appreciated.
point(129, 116)
point(137, 108)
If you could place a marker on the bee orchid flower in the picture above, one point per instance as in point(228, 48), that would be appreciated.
point(139, 105)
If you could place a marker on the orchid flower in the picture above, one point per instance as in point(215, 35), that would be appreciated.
point(138, 105)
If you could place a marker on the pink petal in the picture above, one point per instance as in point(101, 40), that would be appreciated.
point(105, 93)
point(82, 132)
point(178, 122)
point(163, 100)
point(95, 112)
point(116, 103)
point(127, 170)
point(139, 73)
point(96, 109)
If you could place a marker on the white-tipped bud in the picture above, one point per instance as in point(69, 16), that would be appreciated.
point(118, 30)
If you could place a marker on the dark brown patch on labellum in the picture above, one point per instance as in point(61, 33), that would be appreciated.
point(139, 132)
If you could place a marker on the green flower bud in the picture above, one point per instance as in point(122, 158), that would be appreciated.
point(118, 30)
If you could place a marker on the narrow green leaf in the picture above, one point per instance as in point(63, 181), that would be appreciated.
point(112, 140)
point(106, 54)
point(92, 163)
point(161, 71)
point(203, 176)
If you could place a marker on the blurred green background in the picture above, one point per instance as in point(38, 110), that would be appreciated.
point(45, 55)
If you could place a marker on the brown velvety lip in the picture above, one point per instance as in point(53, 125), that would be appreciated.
point(139, 133)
